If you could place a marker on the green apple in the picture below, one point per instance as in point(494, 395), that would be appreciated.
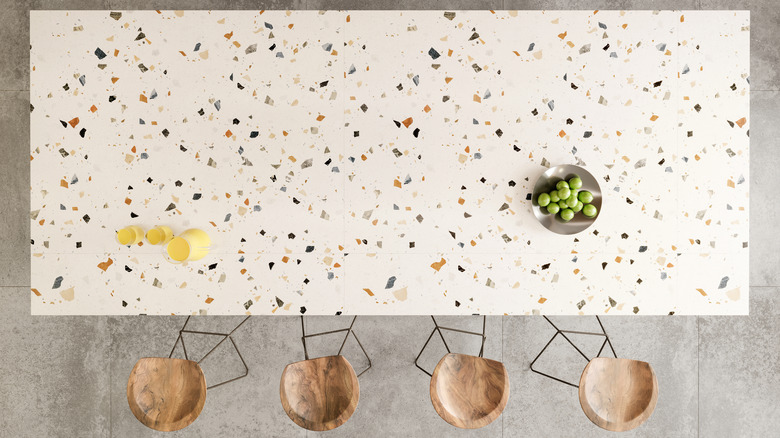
point(586, 197)
point(589, 210)
point(543, 200)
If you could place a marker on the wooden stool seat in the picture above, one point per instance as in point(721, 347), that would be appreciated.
point(319, 394)
point(468, 391)
point(166, 394)
point(618, 394)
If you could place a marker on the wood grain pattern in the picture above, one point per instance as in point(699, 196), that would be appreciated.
point(166, 394)
point(618, 394)
point(319, 394)
point(468, 391)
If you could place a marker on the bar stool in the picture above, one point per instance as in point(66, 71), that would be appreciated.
point(615, 394)
point(322, 393)
point(168, 394)
point(468, 392)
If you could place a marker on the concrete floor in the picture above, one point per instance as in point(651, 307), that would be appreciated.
point(66, 376)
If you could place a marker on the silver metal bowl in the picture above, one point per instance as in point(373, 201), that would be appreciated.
point(546, 183)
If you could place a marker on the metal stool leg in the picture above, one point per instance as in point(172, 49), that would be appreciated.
point(343, 343)
point(438, 328)
point(225, 336)
point(563, 334)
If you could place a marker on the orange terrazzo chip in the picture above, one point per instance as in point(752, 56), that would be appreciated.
point(209, 300)
point(73, 122)
point(106, 264)
point(437, 265)
point(408, 121)
point(320, 118)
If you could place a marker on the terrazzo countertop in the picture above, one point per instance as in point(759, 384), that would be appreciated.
point(383, 162)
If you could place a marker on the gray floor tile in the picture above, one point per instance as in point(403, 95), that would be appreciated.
point(53, 372)
point(764, 177)
point(764, 39)
point(543, 407)
point(394, 395)
point(595, 4)
point(739, 386)
point(14, 188)
point(245, 408)
point(454, 5)
point(15, 53)
point(206, 4)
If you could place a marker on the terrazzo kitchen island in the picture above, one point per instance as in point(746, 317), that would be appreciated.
point(383, 162)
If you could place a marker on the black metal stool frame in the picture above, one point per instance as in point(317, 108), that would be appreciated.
point(563, 333)
point(225, 336)
point(438, 328)
point(343, 343)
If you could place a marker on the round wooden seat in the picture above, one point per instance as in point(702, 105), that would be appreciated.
point(319, 394)
point(166, 394)
point(618, 394)
point(468, 391)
